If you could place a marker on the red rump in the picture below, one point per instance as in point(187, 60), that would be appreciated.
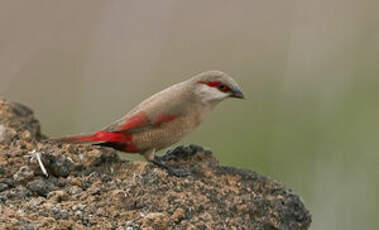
point(120, 141)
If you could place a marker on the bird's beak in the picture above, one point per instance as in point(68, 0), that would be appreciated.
point(237, 93)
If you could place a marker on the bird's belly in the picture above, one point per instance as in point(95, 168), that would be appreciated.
point(165, 135)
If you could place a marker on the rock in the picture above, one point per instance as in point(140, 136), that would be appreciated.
point(118, 195)
point(23, 174)
point(3, 187)
point(57, 196)
point(40, 186)
point(57, 165)
point(2, 133)
point(26, 226)
point(90, 187)
point(155, 220)
point(79, 207)
point(7, 181)
point(19, 192)
point(131, 225)
point(178, 215)
point(35, 202)
point(73, 190)
point(6, 135)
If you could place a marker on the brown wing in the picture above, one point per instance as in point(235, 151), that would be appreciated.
point(140, 122)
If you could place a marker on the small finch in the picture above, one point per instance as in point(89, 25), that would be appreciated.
point(164, 118)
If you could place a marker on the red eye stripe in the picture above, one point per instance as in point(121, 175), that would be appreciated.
point(216, 84)
point(210, 83)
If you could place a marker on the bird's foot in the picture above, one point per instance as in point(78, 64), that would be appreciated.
point(171, 171)
point(184, 152)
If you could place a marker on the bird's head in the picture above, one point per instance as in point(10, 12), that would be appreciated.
point(215, 86)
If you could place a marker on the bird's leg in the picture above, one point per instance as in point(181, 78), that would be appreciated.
point(158, 161)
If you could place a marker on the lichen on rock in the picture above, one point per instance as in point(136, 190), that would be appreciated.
point(90, 187)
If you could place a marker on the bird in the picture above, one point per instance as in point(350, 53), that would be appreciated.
point(164, 118)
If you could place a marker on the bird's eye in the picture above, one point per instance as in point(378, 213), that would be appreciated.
point(223, 87)
point(216, 84)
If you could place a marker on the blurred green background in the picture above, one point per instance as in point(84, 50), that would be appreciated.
point(310, 70)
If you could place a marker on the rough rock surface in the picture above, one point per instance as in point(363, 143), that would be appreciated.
point(92, 188)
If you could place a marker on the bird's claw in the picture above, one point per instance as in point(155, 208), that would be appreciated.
point(171, 171)
point(184, 152)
